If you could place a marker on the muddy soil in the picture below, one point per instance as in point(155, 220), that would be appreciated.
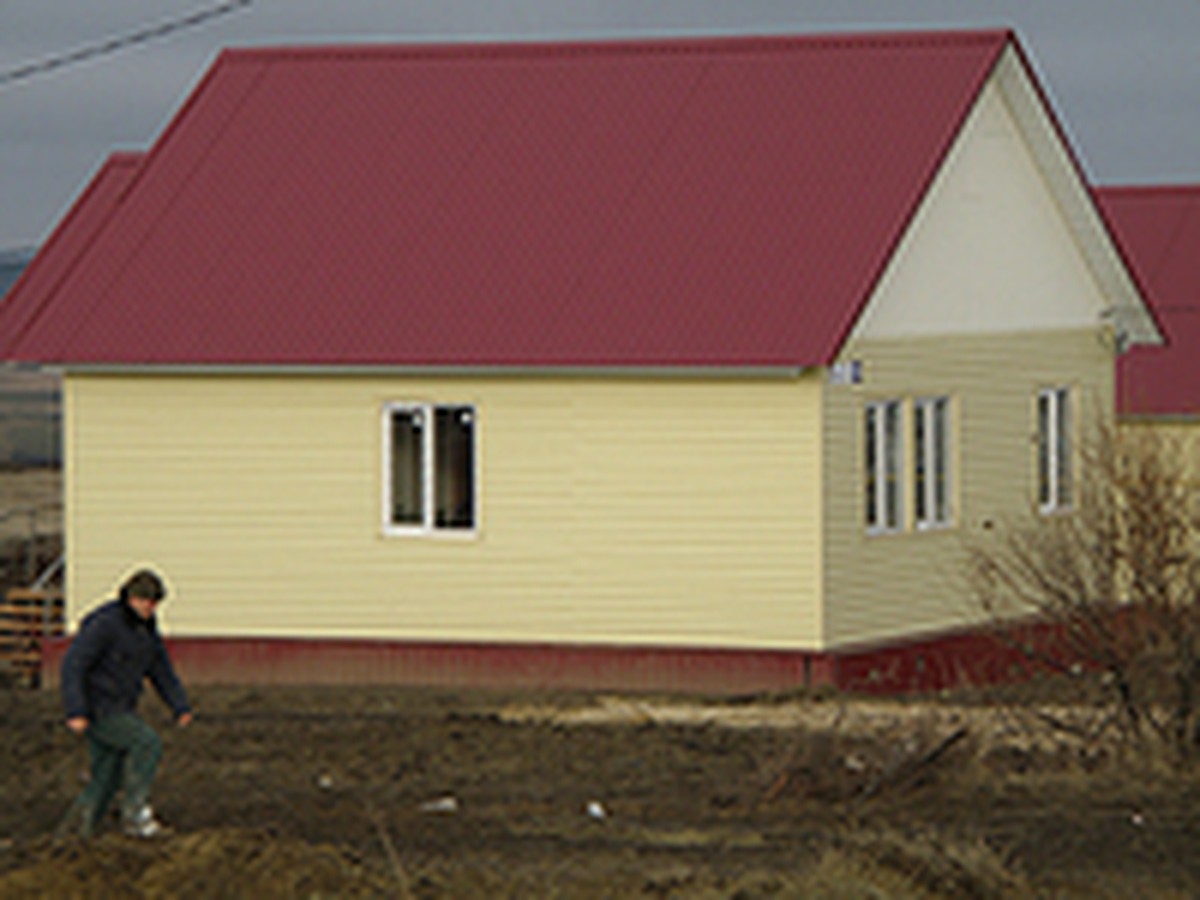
point(344, 792)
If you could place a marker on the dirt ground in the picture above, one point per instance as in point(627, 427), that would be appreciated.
point(344, 792)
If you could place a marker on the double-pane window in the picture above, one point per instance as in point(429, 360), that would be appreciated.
point(430, 476)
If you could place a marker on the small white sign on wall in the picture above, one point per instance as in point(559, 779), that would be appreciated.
point(846, 372)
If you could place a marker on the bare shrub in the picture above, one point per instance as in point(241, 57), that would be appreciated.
point(1113, 584)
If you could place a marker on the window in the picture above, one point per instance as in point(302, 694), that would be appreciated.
point(931, 462)
point(430, 468)
point(1054, 464)
point(883, 458)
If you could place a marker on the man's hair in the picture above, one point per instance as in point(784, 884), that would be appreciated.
point(144, 583)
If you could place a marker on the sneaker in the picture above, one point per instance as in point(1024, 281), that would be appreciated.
point(142, 824)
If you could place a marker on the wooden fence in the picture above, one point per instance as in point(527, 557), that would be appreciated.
point(27, 616)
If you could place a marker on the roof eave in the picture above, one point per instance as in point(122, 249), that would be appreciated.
point(461, 371)
point(1159, 418)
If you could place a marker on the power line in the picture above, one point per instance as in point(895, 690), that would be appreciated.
point(113, 45)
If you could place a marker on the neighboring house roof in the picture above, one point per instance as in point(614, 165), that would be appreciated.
point(36, 288)
point(688, 202)
point(1159, 229)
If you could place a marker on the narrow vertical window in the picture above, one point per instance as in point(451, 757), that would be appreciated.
point(408, 466)
point(931, 463)
point(1055, 475)
point(892, 463)
point(430, 468)
point(871, 473)
point(942, 511)
point(883, 486)
point(455, 472)
point(1063, 487)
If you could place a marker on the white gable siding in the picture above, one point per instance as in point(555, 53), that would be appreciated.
point(989, 251)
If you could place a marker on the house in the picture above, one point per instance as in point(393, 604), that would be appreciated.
point(1158, 387)
point(676, 363)
point(28, 399)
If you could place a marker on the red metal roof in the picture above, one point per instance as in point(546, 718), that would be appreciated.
point(1159, 230)
point(726, 202)
point(57, 258)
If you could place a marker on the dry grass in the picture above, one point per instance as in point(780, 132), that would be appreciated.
point(892, 864)
point(1042, 728)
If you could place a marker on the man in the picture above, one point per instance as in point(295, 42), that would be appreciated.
point(116, 649)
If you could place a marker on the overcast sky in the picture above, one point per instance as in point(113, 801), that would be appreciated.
point(1123, 75)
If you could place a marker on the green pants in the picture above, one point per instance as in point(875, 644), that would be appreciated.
point(124, 752)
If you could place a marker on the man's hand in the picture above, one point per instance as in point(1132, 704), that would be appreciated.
point(184, 720)
point(78, 724)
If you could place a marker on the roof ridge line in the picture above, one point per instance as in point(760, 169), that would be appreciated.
point(619, 45)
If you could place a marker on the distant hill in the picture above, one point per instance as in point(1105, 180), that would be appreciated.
point(12, 262)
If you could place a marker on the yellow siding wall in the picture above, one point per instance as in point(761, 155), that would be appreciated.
point(626, 510)
point(882, 586)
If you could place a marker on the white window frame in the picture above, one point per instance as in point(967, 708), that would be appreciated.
point(1054, 450)
point(878, 520)
point(428, 526)
point(933, 450)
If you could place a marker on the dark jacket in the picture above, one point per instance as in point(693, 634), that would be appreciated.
point(107, 662)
